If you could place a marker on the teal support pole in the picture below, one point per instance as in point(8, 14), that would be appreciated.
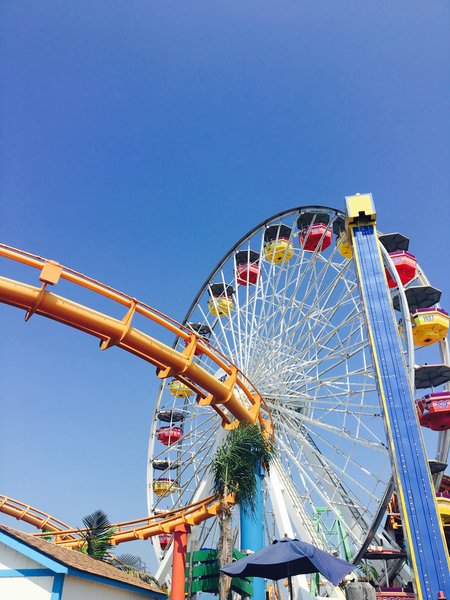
point(252, 534)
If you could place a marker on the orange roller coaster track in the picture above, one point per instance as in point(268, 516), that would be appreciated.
point(234, 399)
point(220, 395)
point(126, 531)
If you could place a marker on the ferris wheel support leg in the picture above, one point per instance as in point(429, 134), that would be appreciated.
point(252, 533)
point(284, 526)
point(180, 539)
point(164, 568)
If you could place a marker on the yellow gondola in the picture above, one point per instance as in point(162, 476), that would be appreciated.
point(221, 303)
point(343, 245)
point(279, 251)
point(164, 486)
point(429, 325)
point(277, 245)
point(179, 389)
point(221, 307)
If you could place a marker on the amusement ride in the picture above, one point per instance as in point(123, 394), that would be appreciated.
point(328, 334)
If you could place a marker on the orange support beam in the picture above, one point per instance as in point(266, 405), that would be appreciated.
point(180, 540)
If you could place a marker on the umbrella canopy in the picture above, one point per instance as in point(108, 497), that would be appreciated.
point(286, 558)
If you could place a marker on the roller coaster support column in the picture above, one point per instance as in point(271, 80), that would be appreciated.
point(180, 540)
point(418, 508)
point(252, 532)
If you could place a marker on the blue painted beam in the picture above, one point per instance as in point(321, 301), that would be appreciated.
point(252, 534)
point(26, 573)
point(57, 587)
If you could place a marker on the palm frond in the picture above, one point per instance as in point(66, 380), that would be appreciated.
point(127, 561)
point(135, 566)
point(98, 534)
point(236, 463)
point(97, 521)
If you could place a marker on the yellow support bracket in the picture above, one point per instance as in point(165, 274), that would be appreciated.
point(188, 354)
point(226, 421)
point(108, 342)
point(50, 274)
point(252, 416)
point(229, 382)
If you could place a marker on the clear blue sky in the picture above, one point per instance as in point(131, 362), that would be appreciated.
point(141, 139)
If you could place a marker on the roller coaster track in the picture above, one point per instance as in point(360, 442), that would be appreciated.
point(126, 531)
point(220, 395)
point(33, 516)
point(235, 399)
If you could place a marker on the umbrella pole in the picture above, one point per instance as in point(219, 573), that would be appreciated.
point(290, 587)
point(291, 595)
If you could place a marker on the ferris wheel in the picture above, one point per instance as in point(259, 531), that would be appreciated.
point(284, 306)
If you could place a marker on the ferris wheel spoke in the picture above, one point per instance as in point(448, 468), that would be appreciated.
point(326, 330)
point(335, 485)
point(302, 379)
point(329, 467)
point(322, 498)
point(298, 349)
point(300, 319)
point(317, 491)
point(304, 302)
point(331, 361)
point(277, 301)
point(302, 420)
point(338, 354)
point(324, 403)
point(278, 307)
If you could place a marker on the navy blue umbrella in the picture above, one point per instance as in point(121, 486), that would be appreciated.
point(287, 557)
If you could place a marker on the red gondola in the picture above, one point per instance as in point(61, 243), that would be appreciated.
point(315, 234)
point(169, 435)
point(164, 540)
point(405, 264)
point(434, 411)
point(247, 267)
point(317, 237)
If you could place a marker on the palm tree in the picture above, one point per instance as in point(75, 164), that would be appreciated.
point(97, 534)
point(234, 468)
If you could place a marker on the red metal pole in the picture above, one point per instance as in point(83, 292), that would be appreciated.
point(180, 539)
